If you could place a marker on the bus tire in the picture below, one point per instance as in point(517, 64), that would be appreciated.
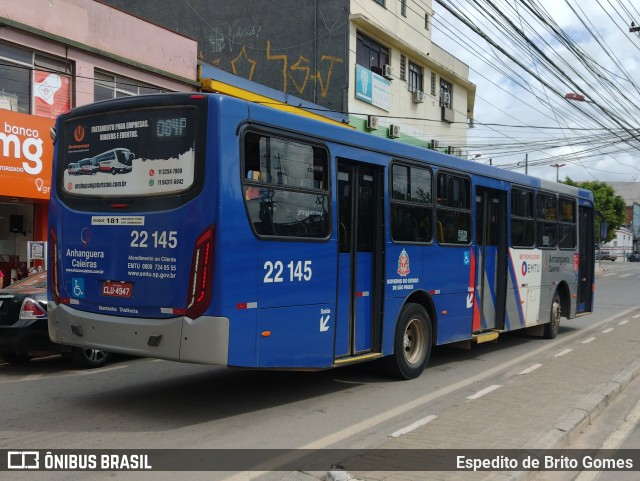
point(551, 328)
point(412, 344)
point(89, 358)
point(113, 171)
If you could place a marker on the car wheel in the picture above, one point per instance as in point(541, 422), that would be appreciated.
point(551, 328)
point(412, 343)
point(13, 358)
point(90, 358)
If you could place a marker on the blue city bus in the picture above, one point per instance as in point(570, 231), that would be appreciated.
point(252, 237)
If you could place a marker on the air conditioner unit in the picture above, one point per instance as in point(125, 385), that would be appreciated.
point(386, 72)
point(394, 131)
point(434, 144)
point(418, 96)
point(445, 98)
point(372, 122)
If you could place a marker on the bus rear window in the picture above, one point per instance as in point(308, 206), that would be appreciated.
point(145, 152)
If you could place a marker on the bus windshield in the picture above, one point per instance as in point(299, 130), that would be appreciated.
point(152, 150)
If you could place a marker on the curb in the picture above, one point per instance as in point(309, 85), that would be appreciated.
point(587, 409)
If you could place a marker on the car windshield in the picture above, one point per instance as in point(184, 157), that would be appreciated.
point(35, 280)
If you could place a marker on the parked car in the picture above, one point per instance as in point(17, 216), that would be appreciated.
point(605, 256)
point(24, 333)
point(633, 257)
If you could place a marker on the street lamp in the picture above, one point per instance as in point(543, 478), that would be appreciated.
point(557, 166)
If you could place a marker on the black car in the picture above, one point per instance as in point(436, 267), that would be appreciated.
point(24, 333)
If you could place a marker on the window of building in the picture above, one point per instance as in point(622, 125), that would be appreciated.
point(381, 2)
point(433, 84)
point(567, 224)
point(411, 201)
point(446, 94)
point(285, 187)
point(403, 8)
point(370, 54)
point(21, 72)
point(109, 86)
point(415, 77)
point(403, 68)
point(426, 21)
point(547, 217)
point(522, 219)
point(453, 209)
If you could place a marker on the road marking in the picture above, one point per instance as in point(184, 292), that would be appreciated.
point(636, 316)
point(563, 353)
point(411, 427)
point(625, 275)
point(354, 429)
point(606, 331)
point(530, 369)
point(622, 323)
point(588, 340)
point(486, 390)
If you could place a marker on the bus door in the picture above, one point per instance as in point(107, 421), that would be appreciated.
point(491, 259)
point(586, 259)
point(360, 256)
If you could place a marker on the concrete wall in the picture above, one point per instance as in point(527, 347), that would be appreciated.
point(87, 24)
point(298, 48)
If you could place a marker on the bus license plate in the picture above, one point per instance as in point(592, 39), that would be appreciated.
point(117, 289)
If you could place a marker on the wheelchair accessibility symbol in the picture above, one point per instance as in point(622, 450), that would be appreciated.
point(77, 284)
point(467, 258)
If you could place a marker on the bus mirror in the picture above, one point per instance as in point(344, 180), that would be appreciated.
point(52, 133)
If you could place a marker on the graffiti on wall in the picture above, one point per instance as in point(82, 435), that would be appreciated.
point(297, 74)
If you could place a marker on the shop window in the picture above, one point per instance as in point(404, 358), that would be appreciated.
point(109, 86)
point(24, 81)
point(371, 54)
point(415, 77)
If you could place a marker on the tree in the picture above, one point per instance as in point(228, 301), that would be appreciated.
point(611, 205)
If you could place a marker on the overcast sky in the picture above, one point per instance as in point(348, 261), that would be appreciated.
point(564, 46)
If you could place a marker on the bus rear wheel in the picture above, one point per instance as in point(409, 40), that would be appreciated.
point(412, 343)
point(551, 329)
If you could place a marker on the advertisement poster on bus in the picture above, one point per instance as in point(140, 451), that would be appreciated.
point(26, 152)
point(51, 94)
point(128, 154)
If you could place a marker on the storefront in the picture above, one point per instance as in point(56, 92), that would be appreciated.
point(26, 152)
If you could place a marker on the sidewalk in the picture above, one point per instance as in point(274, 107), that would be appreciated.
point(540, 409)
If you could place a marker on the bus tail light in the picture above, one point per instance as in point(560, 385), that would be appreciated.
point(201, 274)
point(54, 267)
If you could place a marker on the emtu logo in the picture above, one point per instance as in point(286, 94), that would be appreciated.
point(524, 268)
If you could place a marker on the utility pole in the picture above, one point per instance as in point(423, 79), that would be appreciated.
point(526, 163)
point(557, 166)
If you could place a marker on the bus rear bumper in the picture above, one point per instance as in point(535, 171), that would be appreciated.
point(204, 340)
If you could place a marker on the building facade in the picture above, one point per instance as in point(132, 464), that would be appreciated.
point(370, 59)
point(49, 67)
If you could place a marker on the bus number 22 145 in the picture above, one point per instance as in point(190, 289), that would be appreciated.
point(298, 271)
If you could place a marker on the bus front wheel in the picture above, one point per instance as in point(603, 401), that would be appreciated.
point(412, 343)
point(551, 328)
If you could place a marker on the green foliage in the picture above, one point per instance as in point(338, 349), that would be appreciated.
point(611, 205)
